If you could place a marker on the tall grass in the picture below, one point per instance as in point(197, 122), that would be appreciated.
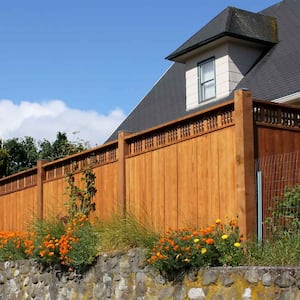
point(282, 251)
point(124, 232)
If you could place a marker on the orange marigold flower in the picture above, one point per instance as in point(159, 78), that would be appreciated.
point(233, 223)
point(209, 241)
point(203, 231)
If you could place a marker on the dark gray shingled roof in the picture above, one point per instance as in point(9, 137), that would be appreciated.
point(231, 22)
point(276, 75)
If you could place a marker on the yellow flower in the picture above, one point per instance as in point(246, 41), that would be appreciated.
point(196, 240)
point(224, 237)
point(237, 244)
point(203, 250)
point(218, 221)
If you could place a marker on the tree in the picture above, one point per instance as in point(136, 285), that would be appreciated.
point(22, 154)
point(18, 154)
point(61, 147)
point(4, 158)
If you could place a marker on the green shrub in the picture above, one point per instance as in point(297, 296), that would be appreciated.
point(179, 251)
point(15, 245)
point(73, 244)
point(285, 214)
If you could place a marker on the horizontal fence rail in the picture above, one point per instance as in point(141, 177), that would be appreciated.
point(18, 181)
point(59, 168)
point(94, 158)
point(275, 114)
point(184, 129)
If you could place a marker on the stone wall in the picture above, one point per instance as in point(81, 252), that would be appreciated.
point(126, 276)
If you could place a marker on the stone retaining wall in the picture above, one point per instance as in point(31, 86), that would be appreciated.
point(126, 276)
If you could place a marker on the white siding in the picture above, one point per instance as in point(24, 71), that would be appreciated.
point(232, 61)
point(222, 75)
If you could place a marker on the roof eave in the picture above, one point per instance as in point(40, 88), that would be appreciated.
point(176, 55)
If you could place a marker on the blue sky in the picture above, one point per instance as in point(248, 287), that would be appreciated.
point(82, 66)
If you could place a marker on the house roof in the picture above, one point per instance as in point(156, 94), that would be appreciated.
point(276, 75)
point(235, 23)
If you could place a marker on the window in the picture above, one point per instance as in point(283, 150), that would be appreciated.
point(206, 80)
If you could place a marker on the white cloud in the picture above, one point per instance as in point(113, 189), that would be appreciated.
point(44, 120)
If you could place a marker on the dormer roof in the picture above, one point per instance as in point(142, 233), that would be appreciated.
point(231, 22)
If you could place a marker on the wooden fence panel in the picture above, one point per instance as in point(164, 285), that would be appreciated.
point(187, 183)
point(54, 198)
point(106, 196)
point(273, 141)
point(56, 195)
point(18, 209)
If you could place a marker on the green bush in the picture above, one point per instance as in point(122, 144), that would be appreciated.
point(285, 214)
point(15, 245)
point(73, 245)
point(182, 250)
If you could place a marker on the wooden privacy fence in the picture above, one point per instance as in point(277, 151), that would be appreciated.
point(186, 172)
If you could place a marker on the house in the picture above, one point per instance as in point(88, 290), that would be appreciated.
point(236, 49)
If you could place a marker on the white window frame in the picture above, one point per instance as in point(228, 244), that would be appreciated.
point(202, 83)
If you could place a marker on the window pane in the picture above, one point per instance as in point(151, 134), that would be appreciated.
point(207, 71)
point(208, 90)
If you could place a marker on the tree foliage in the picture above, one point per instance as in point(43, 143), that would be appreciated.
point(18, 154)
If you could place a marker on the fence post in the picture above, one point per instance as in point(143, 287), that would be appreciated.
point(245, 162)
point(122, 152)
point(259, 207)
point(40, 181)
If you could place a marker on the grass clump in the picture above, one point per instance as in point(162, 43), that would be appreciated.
point(122, 232)
point(282, 251)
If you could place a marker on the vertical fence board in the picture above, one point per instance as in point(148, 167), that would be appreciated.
point(213, 177)
point(202, 169)
point(158, 192)
point(187, 183)
point(227, 179)
point(171, 187)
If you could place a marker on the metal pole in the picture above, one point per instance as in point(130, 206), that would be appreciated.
point(259, 206)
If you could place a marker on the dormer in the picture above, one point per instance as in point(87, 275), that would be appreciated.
point(219, 55)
